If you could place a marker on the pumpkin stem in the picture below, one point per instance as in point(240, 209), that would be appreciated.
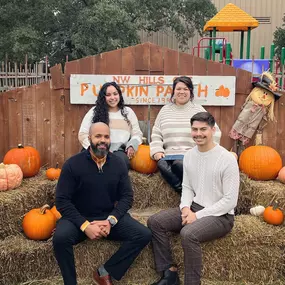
point(144, 140)
point(56, 166)
point(44, 208)
point(20, 146)
point(275, 205)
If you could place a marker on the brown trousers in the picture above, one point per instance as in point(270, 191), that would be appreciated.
point(202, 230)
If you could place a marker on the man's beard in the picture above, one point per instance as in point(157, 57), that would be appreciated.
point(99, 152)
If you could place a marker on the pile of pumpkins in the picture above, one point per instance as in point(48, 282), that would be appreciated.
point(22, 162)
point(263, 163)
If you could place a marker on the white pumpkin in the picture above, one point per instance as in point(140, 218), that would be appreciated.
point(257, 210)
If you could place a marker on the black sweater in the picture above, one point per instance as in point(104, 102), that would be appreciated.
point(84, 193)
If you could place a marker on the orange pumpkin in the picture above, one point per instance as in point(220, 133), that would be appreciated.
point(53, 173)
point(11, 176)
point(281, 175)
point(273, 215)
point(55, 212)
point(38, 224)
point(260, 162)
point(142, 161)
point(28, 158)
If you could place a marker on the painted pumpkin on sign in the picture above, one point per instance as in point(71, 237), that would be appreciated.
point(28, 158)
point(142, 161)
point(11, 176)
point(38, 224)
point(260, 162)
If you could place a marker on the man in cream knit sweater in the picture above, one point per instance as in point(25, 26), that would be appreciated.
point(209, 195)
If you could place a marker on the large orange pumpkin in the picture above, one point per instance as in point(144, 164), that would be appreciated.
point(260, 162)
point(28, 158)
point(273, 215)
point(281, 175)
point(55, 212)
point(142, 161)
point(11, 176)
point(38, 224)
point(53, 173)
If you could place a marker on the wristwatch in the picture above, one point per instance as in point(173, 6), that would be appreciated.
point(112, 220)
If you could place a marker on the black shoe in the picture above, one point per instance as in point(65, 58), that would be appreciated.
point(168, 278)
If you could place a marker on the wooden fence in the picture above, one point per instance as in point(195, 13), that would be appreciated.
point(14, 75)
point(42, 116)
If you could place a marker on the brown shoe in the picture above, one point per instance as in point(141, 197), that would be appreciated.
point(102, 280)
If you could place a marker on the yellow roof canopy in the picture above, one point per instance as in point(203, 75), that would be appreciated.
point(231, 18)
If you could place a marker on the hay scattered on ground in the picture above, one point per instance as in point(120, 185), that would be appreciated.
point(14, 204)
point(152, 191)
point(252, 252)
point(253, 193)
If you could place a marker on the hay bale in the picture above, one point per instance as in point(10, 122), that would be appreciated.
point(14, 204)
point(152, 191)
point(58, 281)
point(253, 193)
point(252, 252)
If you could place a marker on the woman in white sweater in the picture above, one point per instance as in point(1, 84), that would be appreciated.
point(170, 137)
point(125, 133)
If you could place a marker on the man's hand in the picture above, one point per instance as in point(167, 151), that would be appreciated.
point(93, 231)
point(191, 217)
point(158, 156)
point(104, 225)
point(184, 214)
point(130, 152)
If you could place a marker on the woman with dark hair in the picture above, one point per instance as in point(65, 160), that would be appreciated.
point(125, 133)
point(170, 137)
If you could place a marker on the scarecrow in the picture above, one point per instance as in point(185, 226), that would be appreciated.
point(257, 110)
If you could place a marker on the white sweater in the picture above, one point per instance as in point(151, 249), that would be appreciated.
point(210, 179)
point(121, 134)
point(171, 130)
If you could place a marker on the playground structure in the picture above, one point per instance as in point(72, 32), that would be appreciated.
point(233, 19)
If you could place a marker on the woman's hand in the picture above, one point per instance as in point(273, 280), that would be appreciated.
point(130, 152)
point(158, 156)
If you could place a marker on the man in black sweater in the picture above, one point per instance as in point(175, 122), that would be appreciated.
point(93, 195)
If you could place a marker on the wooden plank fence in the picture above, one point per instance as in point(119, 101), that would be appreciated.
point(14, 75)
point(41, 115)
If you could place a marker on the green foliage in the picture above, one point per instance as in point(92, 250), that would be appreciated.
point(279, 39)
point(79, 28)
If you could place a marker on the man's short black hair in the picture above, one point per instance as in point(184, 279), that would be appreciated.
point(203, 117)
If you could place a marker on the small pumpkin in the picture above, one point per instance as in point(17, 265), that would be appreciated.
point(281, 175)
point(38, 224)
point(53, 173)
point(11, 176)
point(273, 215)
point(260, 162)
point(257, 210)
point(142, 162)
point(28, 158)
point(55, 212)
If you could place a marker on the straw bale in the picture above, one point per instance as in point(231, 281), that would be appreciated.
point(152, 190)
point(58, 281)
point(252, 252)
point(14, 204)
point(253, 193)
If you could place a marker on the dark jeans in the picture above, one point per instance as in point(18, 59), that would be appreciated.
point(172, 172)
point(133, 235)
point(124, 157)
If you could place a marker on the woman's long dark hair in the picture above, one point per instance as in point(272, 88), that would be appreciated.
point(101, 110)
point(187, 81)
